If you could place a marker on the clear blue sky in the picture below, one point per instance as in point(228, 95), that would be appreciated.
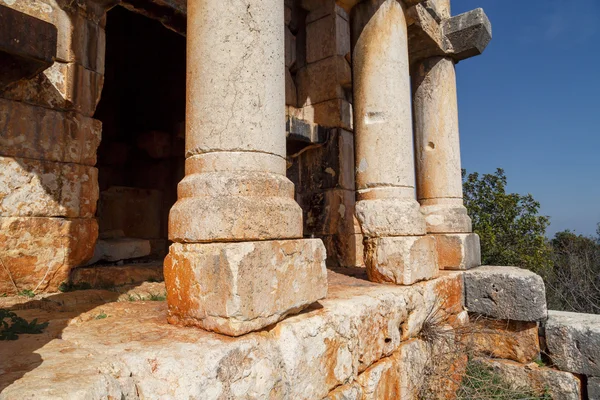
point(531, 104)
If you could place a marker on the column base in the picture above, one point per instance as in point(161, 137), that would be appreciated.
point(236, 288)
point(458, 251)
point(444, 218)
point(402, 260)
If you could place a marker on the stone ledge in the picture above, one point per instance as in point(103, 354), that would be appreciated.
point(135, 353)
point(573, 340)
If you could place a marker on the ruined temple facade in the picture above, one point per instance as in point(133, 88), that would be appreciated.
point(269, 139)
point(291, 169)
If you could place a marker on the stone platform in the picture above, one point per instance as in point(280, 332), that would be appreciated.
point(362, 342)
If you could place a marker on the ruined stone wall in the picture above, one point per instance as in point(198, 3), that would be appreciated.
point(48, 183)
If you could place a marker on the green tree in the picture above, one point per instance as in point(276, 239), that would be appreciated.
point(511, 230)
point(573, 283)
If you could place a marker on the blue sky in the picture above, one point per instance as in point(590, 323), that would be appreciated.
point(531, 104)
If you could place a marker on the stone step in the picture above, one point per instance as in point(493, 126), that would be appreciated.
point(117, 275)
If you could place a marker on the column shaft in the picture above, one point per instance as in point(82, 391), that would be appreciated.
point(388, 212)
point(229, 269)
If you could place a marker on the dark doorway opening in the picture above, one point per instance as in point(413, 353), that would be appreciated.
point(141, 155)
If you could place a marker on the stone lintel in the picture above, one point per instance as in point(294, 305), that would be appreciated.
point(27, 45)
point(236, 288)
point(425, 37)
point(467, 34)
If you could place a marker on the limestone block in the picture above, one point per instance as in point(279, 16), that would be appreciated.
point(40, 133)
point(511, 340)
point(445, 218)
point(118, 249)
point(33, 188)
point(345, 250)
point(38, 253)
point(330, 212)
point(79, 39)
point(390, 217)
point(108, 276)
point(324, 80)
point(134, 211)
point(458, 251)
point(468, 34)
point(319, 9)
point(573, 341)
point(593, 388)
point(505, 293)
point(559, 385)
point(402, 260)
point(63, 86)
point(235, 288)
point(331, 113)
point(327, 37)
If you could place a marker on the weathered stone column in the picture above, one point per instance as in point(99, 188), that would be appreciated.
point(396, 249)
point(438, 167)
point(238, 262)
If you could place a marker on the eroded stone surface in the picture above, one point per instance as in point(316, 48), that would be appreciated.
point(505, 293)
point(559, 385)
point(593, 388)
point(403, 260)
point(134, 353)
point(573, 341)
point(234, 288)
point(38, 253)
point(118, 249)
point(34, 188)
point(512, 340)
point(458, 251)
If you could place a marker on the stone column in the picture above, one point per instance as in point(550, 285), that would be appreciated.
point(238, 263)
point(397, 249)
point(439, 182)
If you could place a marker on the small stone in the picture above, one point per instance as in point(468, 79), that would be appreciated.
point(468, 34)
point(573, 341)
point(505, 293)
point(540, 380)
point(236, 288)
point(402, 260)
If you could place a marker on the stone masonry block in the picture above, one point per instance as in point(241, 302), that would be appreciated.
point(326, 37)
point(468, 34)
point(573, 341)
point(402, 260)
point(235, 288)
point(63, 86)
point(511, 340)
point(593, 388)
point(390, 217)
point(330, 113)
point(458, 251)
point(540, 380)
point(505, 293)
point(38, 253)
point(323, 80)
point(79, 39)
point(34, 188)
point(27, 46)
point(43, 134)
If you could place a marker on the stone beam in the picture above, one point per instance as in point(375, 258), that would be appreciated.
point(349, 4)
point(27, 46)
point(432, 33)
point(467, 34)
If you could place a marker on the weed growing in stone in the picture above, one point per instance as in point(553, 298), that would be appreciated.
point(101, 316)
point(157, 297)
point(151, 297)
point(11, 325)
point(27, 293)
point(3, 295)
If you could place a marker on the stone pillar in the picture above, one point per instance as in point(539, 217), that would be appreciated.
point(439, 182)
point(397, 249)
point(238, 263)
